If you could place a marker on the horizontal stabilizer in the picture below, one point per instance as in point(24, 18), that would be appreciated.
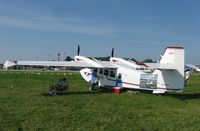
point(161, 66)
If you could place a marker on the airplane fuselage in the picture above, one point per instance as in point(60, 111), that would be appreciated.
point(132, 79)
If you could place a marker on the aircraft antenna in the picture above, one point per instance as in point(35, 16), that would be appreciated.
point(78, 50)
point(112, 53)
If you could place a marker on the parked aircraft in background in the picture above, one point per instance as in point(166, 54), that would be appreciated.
point(165, 76)
point(192, 67)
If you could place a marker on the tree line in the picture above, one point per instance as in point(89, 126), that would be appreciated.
point(107, 58)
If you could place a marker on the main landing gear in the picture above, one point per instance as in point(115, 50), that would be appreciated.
point(134, 92)
point(94, 86)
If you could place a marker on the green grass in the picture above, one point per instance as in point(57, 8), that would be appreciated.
point(25, 105)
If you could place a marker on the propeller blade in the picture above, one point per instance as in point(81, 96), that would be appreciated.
point(112, 53)
point(78, 50)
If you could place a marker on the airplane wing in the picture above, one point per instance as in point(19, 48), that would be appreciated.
point(86, 63)
point(54, 63)
point(193, 67)
point(47, 63)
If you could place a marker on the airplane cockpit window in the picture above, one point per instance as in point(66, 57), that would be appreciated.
point(95, 70)
point(112, 73)
point(106, 72)
point(100, 71)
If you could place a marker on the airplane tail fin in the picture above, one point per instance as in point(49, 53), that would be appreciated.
point(173, 79)
point(172, 54)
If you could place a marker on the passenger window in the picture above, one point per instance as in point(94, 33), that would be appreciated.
point(100, 71)
point(112, 73)
point(95, 70)
point(106, 72)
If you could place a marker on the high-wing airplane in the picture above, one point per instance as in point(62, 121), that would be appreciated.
point(165, 76)
point(192, 67)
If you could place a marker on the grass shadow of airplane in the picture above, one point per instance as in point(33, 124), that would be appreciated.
point(187, 96)
point(80, 92)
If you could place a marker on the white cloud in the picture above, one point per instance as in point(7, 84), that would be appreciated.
point(58, 19)
point(143, 41)
point(70, 25)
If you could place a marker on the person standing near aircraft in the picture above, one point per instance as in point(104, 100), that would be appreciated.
point(118, 87)
point(187, 76)
point(95, 80)
point(119, 81)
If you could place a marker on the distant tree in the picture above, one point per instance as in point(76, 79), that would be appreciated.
point(133, 59)
point(1, 66)
point(103, 58)
point(148, 61)
point(68, 58)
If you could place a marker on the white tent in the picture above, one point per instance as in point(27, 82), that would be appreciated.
point(8, 64)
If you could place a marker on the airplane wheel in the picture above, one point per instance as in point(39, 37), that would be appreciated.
point(92, 87)
point(160, 94)
point(134, 92)
point(137, 92)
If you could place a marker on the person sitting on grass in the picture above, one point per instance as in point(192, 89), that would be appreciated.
point(62, 85)
point(52, 90)
point(59, 84)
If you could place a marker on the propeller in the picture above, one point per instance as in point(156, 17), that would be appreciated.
point(78, 50)
point(112, 53)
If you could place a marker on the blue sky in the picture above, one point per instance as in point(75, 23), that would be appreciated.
point(39, 29)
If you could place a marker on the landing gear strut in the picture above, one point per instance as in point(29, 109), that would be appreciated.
point(94, 86)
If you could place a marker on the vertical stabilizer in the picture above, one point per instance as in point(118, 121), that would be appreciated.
point(172, 80)
point(174, 56)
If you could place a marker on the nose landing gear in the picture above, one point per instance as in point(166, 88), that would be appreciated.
point(94, 86)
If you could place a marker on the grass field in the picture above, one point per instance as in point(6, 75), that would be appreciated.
point(26, 105)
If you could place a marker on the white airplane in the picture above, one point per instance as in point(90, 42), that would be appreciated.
point(165, 76)
point(192, 67)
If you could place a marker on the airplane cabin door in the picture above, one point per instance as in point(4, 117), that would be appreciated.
point(107, 77)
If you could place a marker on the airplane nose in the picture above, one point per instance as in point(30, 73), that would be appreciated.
point(86, 74)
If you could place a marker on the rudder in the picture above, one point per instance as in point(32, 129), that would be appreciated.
point(172, 80)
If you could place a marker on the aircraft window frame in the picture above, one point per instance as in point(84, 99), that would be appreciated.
point(112, 73)
point(106, 72)
point(101, 71)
